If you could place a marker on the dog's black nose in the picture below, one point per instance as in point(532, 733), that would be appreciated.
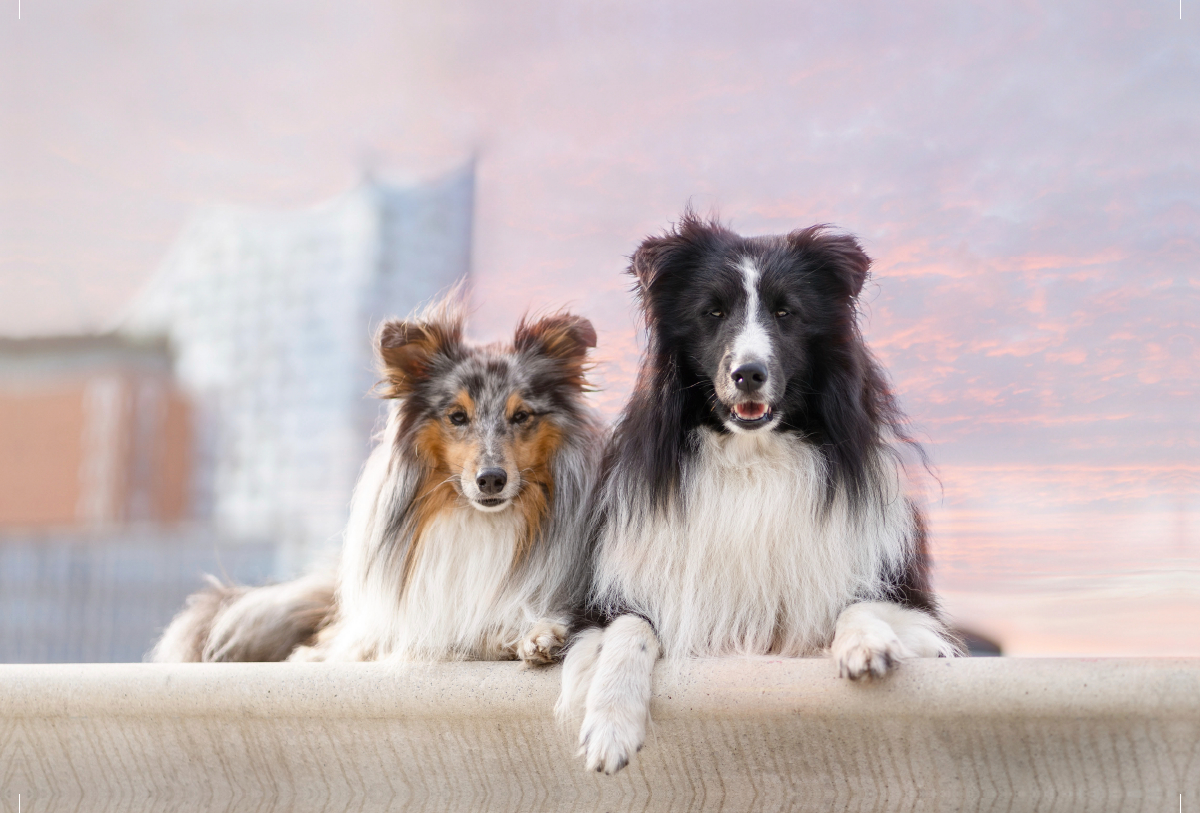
point(491, 481)
point(750, 377)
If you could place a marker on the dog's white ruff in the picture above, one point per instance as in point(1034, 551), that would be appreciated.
point(753, 559)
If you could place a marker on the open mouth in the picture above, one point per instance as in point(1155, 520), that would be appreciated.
point(490, 502)
point(752, 412)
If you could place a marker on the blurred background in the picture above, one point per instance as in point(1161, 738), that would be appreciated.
point(205, 207)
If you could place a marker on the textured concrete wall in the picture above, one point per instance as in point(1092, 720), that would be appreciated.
point(982, 735)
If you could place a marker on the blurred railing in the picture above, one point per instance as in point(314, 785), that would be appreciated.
point(105, 598)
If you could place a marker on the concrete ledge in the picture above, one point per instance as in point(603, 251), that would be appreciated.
point(988, 734)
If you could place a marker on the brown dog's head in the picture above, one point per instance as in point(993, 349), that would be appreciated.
point(486, 420)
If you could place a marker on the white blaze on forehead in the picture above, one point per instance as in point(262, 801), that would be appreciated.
point(752, 343)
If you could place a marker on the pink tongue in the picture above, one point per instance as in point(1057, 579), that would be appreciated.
point(751, 411)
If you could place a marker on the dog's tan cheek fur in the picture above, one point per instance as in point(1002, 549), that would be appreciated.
point(533, 449)
point(446, 454)
point(443, 448)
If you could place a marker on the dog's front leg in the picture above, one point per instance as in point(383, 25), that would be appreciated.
point(618, 700)
point(873, 637)
point(579, 667)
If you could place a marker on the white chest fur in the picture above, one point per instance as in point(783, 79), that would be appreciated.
point(752, 560)
point(455, 603)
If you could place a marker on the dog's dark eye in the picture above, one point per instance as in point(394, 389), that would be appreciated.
point(717, 313)
point(779, 314)
point(458, 418)
point(520, 417)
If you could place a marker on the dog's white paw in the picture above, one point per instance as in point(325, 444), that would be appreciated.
point(542, 644)
point(868, 652)
point(607, 741)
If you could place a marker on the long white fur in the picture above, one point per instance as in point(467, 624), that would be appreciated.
point(454, 605)
point(235, 623)
point(754, 560)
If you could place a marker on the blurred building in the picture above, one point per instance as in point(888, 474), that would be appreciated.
point(221, 425)
point(270, 315)
point(93, 433)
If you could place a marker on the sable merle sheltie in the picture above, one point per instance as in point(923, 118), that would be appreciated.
point(464, 535)
point(753, 496)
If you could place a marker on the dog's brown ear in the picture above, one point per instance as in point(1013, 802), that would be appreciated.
point(564, 337)
point(839, 256)
point(407, 348)
point(560, 336)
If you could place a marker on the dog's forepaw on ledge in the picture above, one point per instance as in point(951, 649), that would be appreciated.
point(870, 657)
point(607, 743)
point(871, 639)
point(868, 651)
point(542, 644)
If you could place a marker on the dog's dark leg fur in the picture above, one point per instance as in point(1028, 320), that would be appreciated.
point(910, 586)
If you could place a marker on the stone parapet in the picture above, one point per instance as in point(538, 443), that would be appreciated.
point(737, 734)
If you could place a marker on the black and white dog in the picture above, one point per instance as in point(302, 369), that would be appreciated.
point(753, 499)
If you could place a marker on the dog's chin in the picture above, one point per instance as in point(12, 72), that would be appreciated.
point(750, 416)
point(490, 505)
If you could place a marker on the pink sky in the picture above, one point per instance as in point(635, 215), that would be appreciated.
point(1025, 177)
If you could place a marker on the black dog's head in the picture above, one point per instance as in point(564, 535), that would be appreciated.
point(756, 318)
point(754, 334)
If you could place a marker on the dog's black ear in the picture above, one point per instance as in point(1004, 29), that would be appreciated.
point(839, 256)
point(647, 262)
point(658, 256)
point(408, 347)
point(563, 337)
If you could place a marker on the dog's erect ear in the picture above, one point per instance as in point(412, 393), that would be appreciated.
point(839, 256)
point(647, 262)
point(407, 348)
point(656, 256)
point(561, 336)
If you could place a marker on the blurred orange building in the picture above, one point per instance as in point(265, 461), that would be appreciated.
point(93, 432)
